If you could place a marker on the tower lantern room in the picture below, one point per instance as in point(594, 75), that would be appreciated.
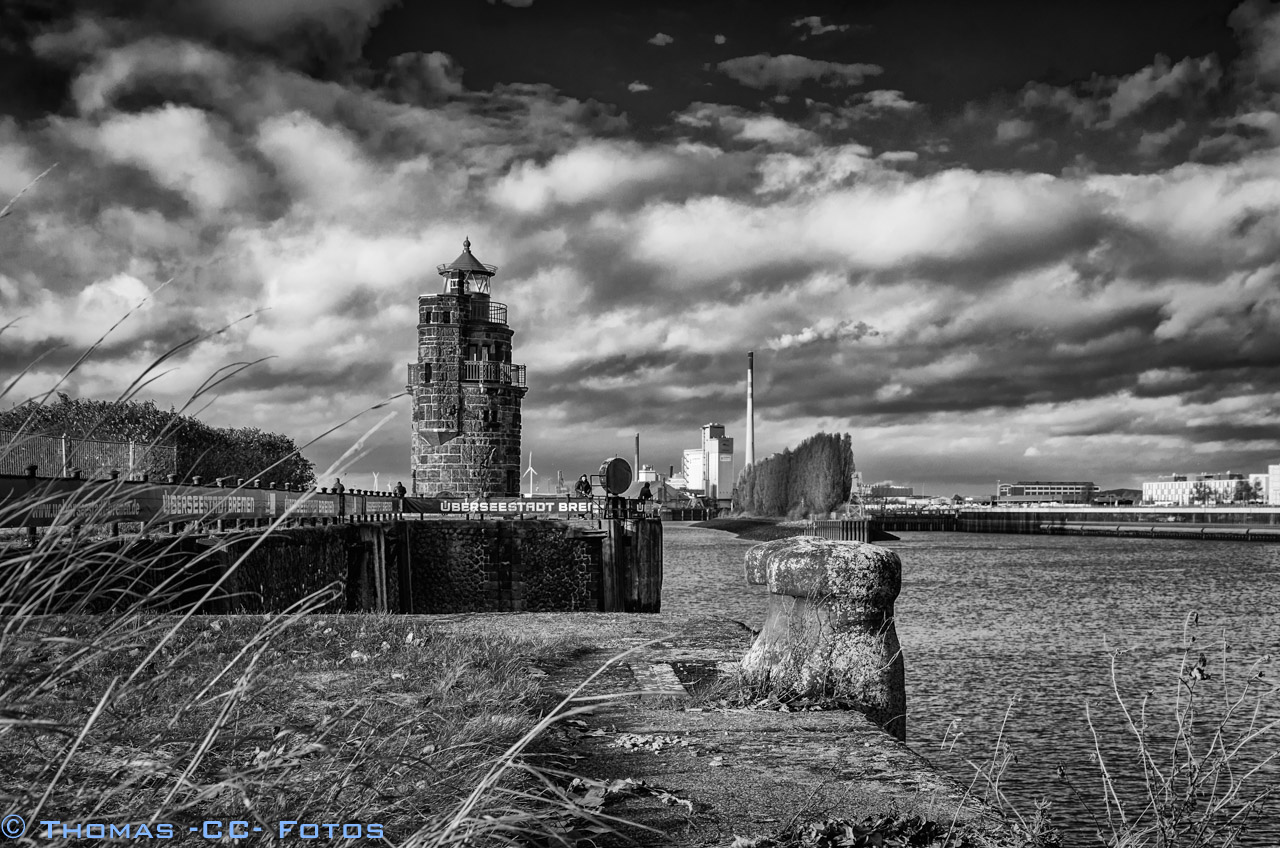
point(466, 391)
point(466, 274)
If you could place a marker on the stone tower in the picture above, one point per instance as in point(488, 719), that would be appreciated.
point(466, 393)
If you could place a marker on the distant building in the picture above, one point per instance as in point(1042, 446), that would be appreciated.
point(717, 453)
point(694, 470)
point(1273, 485)
point(709, 470)
point(1117, 497)
point(1188, 489)
point(1041, 492)
point(887, 489)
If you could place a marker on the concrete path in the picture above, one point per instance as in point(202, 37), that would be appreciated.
point(668, 758)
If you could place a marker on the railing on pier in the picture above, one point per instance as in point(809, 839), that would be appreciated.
point(482, 371)
point(94, 457)
point(917, 521)
point(688, 514)
point(841, 530)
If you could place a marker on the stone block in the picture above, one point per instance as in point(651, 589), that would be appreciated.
point(829, 629)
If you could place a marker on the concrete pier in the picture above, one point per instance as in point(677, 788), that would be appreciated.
point(700, 773)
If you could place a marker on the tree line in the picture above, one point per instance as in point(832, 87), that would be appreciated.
point(1244, 492)
point(203, 451)
point(814, 478)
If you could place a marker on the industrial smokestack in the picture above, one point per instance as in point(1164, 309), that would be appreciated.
point(751, 411)
point(637, 454)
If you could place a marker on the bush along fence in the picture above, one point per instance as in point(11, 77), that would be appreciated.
point(441, 566)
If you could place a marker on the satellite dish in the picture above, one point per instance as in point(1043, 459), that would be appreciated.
point(615, 474)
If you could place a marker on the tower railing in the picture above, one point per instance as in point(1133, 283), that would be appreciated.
point(488, 310)
point(493, 372)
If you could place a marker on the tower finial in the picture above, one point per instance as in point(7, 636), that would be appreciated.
point(466, 244)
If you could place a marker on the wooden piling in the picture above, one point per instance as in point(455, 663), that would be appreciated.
point(613, 563)
point(644, 585)
point(375, 536)
point(631, 577)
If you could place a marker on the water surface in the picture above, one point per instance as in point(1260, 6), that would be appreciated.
point(1023, 631)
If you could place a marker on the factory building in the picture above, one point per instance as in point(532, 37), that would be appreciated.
point(1040, 491)
point(708, 470)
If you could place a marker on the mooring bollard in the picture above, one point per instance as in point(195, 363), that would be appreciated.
point(829, 628)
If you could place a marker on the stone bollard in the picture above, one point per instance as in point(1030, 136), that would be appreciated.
point(829, 627)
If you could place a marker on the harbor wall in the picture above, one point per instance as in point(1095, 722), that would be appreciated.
point(1240, 523)
point(433, 566)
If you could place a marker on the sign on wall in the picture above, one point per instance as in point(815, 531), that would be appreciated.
point(41, 502)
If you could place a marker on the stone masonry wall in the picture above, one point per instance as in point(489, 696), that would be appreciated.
point(466, 435)
point(495, 566)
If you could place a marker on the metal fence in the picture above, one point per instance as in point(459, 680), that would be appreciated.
point(847, 530)
point(485, 371)
point(56, 456)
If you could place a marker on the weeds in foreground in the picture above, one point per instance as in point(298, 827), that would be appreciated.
point(876, 832)
point(1199, 767)
point(121, 707)
point(333, 719)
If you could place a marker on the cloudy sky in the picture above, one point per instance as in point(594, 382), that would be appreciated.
point(996, 240)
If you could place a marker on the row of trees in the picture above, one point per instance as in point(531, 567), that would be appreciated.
point(1244, 492)
point(204, 451)
point(814, 478)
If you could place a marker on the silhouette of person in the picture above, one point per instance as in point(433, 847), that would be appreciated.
point(583, 487)
point(646, 497)
point(400, 490)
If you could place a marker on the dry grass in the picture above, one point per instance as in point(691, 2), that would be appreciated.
point(346, 719)
point(120, 704)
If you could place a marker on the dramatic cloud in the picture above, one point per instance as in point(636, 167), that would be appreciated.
point(813, 25)
point(423, 77)
point(1054, 276)
point(729, 124)
point(661, 39)
point(788, 71)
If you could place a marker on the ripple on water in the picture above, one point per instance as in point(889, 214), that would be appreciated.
point(1027, 626)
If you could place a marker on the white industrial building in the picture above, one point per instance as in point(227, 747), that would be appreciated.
point(1188, 489)
point(709, 470)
